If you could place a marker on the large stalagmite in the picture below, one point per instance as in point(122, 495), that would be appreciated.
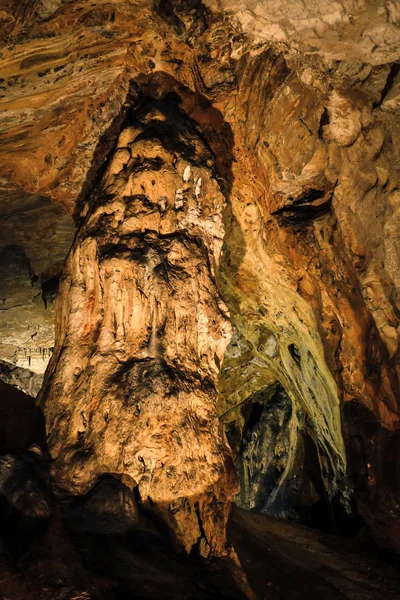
point(142, 330)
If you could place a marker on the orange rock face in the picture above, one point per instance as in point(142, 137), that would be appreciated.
point(142, 330)
point(233, 172)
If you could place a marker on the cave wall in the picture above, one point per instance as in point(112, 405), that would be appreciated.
point(325, 209)
point(35, 237)
point(298, 109)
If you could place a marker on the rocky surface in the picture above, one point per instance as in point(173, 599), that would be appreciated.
point(282, 560)
point(285, 560)
point(349, 30)
point(142, 329)
point(35, 237)
point(233, 172)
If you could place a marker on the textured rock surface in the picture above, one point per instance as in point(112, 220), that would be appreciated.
point(288, 115)
point(348, 30)
point(35, 237)
point(23, 379)
point(142, 330)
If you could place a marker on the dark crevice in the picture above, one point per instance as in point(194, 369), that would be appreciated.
point(196, 547)
point(254, 417)
point(301, 212)
point(50, 289)
point(394, 70)
point(324, 120)
point(295, 354)
point(171, 10)
point(166, 10)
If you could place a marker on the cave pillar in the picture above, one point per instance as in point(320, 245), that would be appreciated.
point(141, 332)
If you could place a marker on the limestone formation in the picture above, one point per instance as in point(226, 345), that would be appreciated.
point(31, 261)
point(142, 330)
point(232, 169)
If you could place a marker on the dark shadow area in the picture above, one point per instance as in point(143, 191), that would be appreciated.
point(285, 561)
point(359, 427)
point(105, 546)
point(21, 422)
point(50, 288)
point(303, 211)
point(316, 509)
point(280, 475)
point(373, 451)
point(394, 70)
point(100, 546)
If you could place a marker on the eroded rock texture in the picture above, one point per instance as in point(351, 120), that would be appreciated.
point(35, 237)
point(328, 262)
point(142, 329)
point(231, 167)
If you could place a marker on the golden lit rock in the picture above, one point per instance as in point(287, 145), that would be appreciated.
point(215, 185)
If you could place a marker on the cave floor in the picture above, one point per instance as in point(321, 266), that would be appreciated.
point(286, 560)
point(281, 560)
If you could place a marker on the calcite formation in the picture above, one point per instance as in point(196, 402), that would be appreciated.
point(233, 172)
point(142, 329)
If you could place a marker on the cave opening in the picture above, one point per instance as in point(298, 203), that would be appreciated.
point(286, 482)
